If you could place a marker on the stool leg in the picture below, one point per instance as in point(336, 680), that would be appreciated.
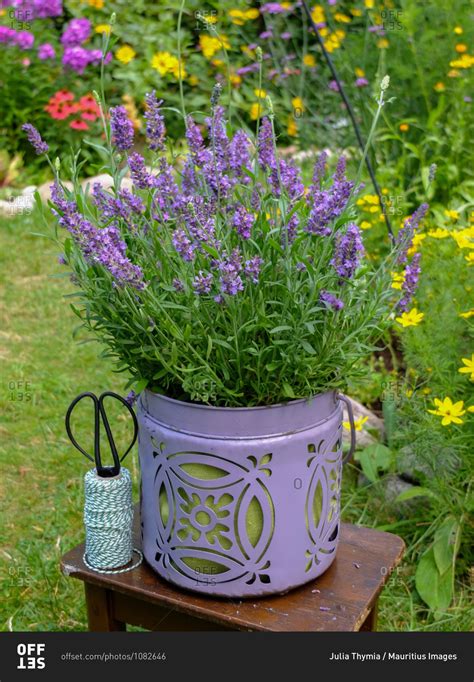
point(370, 623)
point(100, 614)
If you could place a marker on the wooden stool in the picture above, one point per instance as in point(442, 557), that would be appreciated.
point(342, 599)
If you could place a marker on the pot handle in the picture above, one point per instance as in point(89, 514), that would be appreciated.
point(352, 448)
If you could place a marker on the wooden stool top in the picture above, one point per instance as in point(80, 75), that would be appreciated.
point(339, 600)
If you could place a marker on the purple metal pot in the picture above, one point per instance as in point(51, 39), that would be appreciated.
point(240, 502)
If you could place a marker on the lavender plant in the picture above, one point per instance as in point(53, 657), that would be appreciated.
point(219, 277)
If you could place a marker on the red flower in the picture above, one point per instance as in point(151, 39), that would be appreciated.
point(77, 124)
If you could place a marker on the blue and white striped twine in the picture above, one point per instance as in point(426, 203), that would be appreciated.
point(108, 518)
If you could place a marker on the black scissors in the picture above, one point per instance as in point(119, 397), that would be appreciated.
point(99, 413)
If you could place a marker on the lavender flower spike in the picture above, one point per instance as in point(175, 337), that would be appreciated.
point(405, 236)
point(410, 282)
point(155, 126)
point(330, 300)
point(35, 139)
point(349, 248)
point(122, 128)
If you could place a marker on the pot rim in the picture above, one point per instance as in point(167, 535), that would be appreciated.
point(238, 423)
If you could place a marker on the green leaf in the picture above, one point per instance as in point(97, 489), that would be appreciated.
point(308, 347)
point(287, 390)
point(444, 544)
point(281, 328)
point(435, 589)
point(417, 491)
point(374, 457)
point(140, 385)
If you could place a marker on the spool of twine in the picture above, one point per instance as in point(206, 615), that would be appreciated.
point(108, 518)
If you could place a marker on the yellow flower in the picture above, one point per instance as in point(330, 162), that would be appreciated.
point(383, 43)
point(360, 73)
point(260, 93)
point(454, 215)
point(317, 15)
point(193, 80)
point(469, 366)
point(210, 44)
point(125, 54)
point(309, 60)
point(409, 392)
point(255, 111)
point(369, 4)
point(103, 28)
point(410, 319)
point(235, 79)
point(470, 258)
point(426, 391)
point(365, 225)
point(450, 412)
point(470, 408)
point(252, 13)
point(298, 104)
point(439, 233)
point(237, 16)
point(453, 73)
point(467, 314)
point(132, 111)
point(97, 4)
point(458, 30)
point(464, 62)
point(404, 127)
point(439, 87)
point(461, 48)
point(292, 128)
point(416, 242)
point(397, 280)
point(166, 63)
point(342, 18)
point(358, 424)
point(463, 239)
point(356, 12)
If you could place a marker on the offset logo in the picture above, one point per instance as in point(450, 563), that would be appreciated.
point(31, 656)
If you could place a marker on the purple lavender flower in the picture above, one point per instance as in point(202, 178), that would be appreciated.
point(404, 239)
point(155, 125)
point(122, 206)
point(167, 188)
point(252, 268)
point(266, 147)
point(183, 245)
point(46, 51)
point(230, 279)
point(319, 170)
point(35, 139)
point(328, 205)
point(202, 283)
point(265, 35)
point(330, 300)
point(122, 128)
point(24, 40)
point(76, 32)
point(243, 221)
point(361, 82)
point(286, 35)
point(26, 10)
point(291, 179)
point(131, 398)
point(200, 156)
point(98, 245)
point(218, 138)
point(138, 172)
point(348, 250)
point(62, 259)
point(333, 85)
point(251, 68)
point(291, 228)
point(239, 155)
point(410, 282)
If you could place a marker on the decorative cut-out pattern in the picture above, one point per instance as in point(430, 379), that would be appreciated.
point(215, 517)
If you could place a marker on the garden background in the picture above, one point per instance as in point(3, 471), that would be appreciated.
point(414, 477)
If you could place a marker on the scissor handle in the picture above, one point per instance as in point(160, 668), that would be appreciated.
point(99, 412)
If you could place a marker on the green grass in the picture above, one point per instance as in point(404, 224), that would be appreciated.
point(41, 483)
